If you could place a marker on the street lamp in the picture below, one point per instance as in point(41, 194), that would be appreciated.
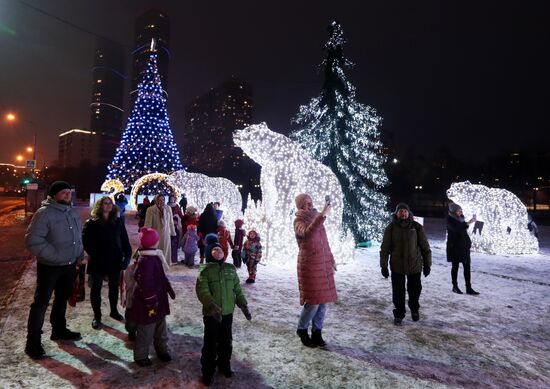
point(19, 158)
point(10, 117)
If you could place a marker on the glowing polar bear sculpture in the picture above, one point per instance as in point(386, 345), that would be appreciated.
point(503, 215)
point(201, 190)
point(287, 171)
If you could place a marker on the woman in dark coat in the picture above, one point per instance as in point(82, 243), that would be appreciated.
point(458, 246)
point(106, 242)
point(208, 224)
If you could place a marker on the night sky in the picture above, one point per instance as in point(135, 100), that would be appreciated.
point(469, 76)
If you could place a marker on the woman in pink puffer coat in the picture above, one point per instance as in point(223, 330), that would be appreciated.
point(315, 269)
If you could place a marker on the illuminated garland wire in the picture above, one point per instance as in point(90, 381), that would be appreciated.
point(147, 144)
point(287, 170)
point(112, 186)
point(500, 211)
point(200, 190)
point(344, 134)
point(148, 178)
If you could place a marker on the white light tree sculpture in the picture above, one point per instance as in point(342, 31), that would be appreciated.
point(287, 170)
point(503, 215)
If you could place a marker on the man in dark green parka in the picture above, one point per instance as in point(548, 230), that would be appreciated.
point(407, 248)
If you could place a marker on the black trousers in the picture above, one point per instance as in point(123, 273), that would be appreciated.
point(218, 344)
point(236, 255)
point(467, 275)
point(50, 279)
point(95, 292)
point(414, 287)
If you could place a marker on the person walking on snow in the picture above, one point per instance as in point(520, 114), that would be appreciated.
point(407, 248)
point(54, 237)
point(458, 247)
point(316, 268)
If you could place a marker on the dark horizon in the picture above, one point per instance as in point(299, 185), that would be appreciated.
point(471, 78)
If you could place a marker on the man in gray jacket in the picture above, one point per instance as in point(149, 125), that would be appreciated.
point(54, 236)
point(407, 248)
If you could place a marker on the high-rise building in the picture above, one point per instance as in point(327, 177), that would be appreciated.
point(107, 106)
point(210, 121)
point(153, 24)
point(77, 146)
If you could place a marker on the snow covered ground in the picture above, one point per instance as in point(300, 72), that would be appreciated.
point(500, 339)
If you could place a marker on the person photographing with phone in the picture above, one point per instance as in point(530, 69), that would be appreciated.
point(316, 268)
point(458, 246)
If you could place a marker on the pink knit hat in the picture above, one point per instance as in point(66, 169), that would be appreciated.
point(149, 237)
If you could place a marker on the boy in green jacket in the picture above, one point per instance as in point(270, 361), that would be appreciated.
point(218, 289)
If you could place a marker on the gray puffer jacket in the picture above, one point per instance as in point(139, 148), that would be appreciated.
point(55, 234)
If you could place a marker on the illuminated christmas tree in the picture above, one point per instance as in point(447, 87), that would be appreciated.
point(147, 144)
point(344, 134)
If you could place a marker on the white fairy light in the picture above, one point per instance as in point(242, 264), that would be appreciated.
point(148, 178)
point(287, 170)
point(201, 190)
point(112, 186)
point(503, 215)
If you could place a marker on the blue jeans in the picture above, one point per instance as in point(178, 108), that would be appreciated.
point(312, 313)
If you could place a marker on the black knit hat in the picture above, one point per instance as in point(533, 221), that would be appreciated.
point(57, 187)
point(402, 206)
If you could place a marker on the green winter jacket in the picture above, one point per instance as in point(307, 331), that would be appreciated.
point(406, 246)
point(219, 283)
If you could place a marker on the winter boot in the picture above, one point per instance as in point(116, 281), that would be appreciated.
point(469, 290)
point(144, 362)
point(96, 323)
point(415, 316)
point(397, 321)
point(317, 339)
point(117, 316)
point(35, 350)
point(304, 337)
point(65, 334)
point(457, 290)
point(164, 357)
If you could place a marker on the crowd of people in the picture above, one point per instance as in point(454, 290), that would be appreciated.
point(58, 241)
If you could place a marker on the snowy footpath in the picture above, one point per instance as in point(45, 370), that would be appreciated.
point(499, 339)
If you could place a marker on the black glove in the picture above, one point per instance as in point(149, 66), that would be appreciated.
point(246, 312)
point(385, 272)
point(171, 292)
point(426, 271)
point(214, 311)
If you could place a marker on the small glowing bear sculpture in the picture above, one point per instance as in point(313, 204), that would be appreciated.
point(287, 171)
point(504, 218)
